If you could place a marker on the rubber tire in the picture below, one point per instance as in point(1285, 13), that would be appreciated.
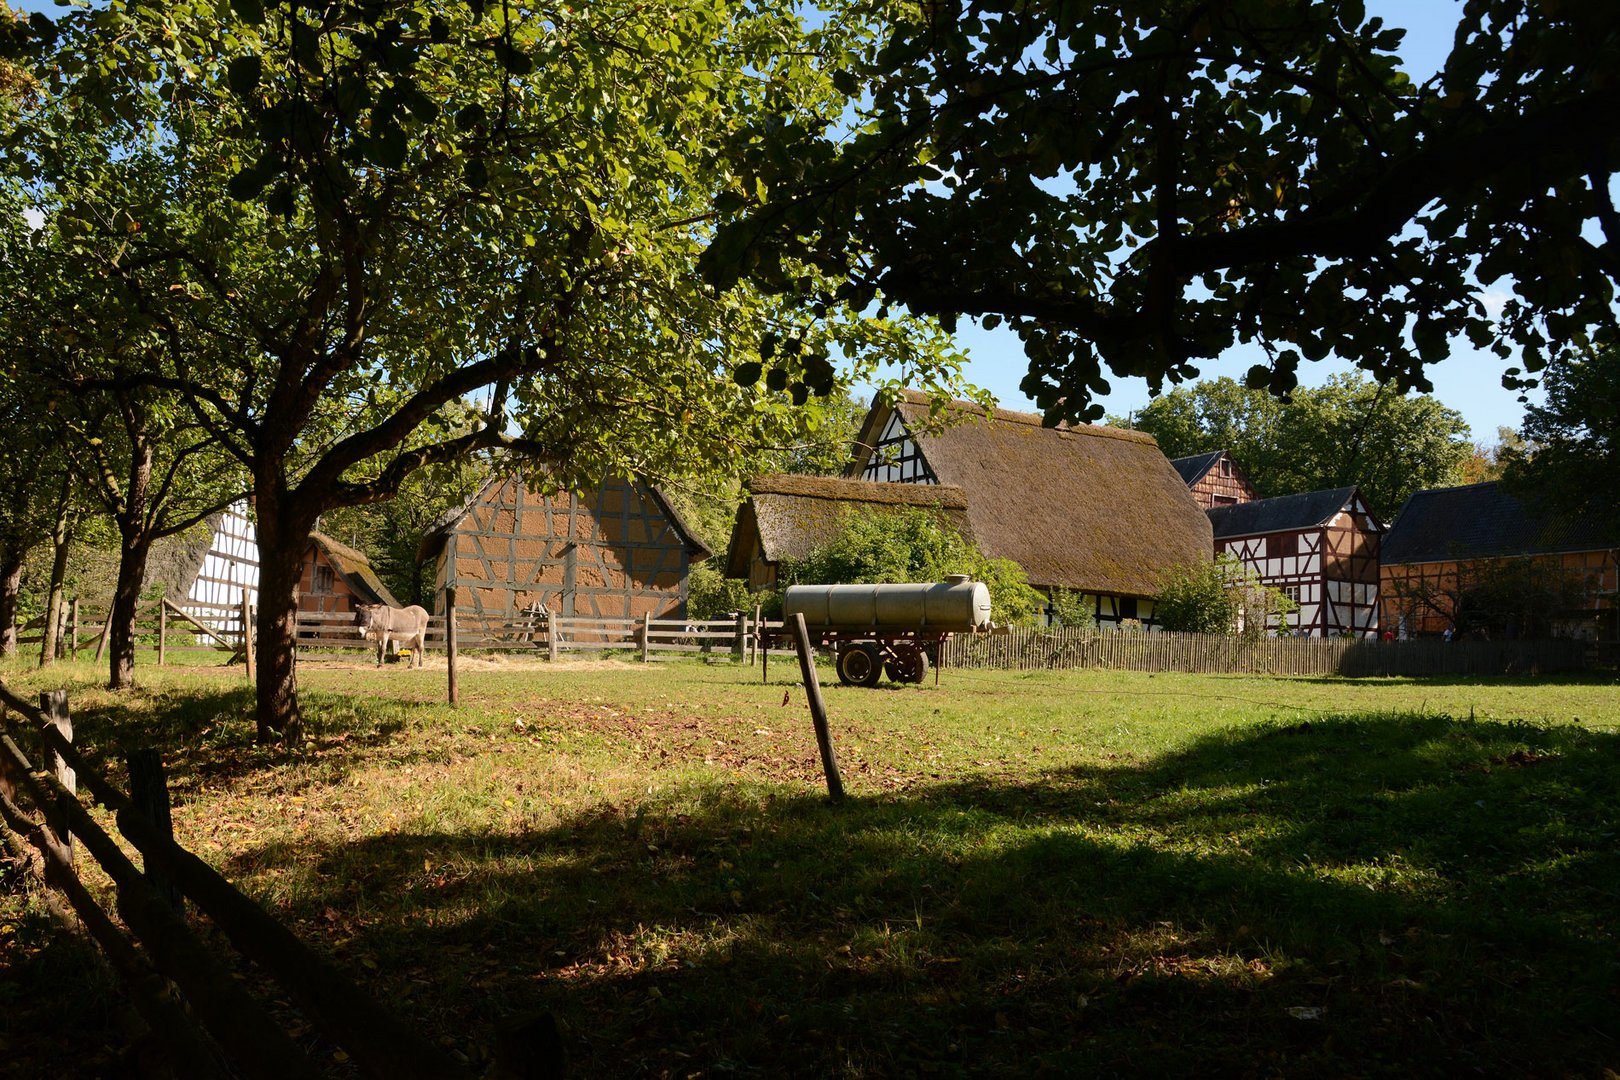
point(909, 664)
point(860, 664)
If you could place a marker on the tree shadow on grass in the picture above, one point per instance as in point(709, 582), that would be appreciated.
point(1372, 895)
point(208, 736)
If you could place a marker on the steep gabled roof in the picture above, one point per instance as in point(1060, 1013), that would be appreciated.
point(1192, 469)
point(1308, 510)
point(355, 569)
point(1097, 509)
point(793, 515)
point(434, 536)
point(1483, 521)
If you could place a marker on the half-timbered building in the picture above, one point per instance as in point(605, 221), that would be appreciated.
point(1320, 548)
point(787, 517)
point(618, 550)
point(1214, 479)
point(1095, 510)
point(1478, 560)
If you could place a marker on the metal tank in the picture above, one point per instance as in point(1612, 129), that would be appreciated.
point(955, 605)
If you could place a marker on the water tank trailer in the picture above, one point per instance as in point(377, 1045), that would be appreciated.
point(878, 628)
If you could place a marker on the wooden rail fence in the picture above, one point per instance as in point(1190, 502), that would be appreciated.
point(1036, 650)
point(219, 1029)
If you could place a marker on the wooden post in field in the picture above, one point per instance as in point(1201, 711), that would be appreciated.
point(551, 635)
point(646, 636)
point(73, 629)
point(450, 642)
point(753, 640)
point(163, 633)
point(739, 639)
point(149, 792)
point(54, 704)
point(247, 635)
point(818, 708)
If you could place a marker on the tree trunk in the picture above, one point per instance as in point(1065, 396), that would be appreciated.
point(281, 549)
point(121, 619)
point(136, 545)
point(61, 535)
point(11, 568)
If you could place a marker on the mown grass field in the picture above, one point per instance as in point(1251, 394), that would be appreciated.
point(1074, 874)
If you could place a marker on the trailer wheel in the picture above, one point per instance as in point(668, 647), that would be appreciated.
point(907, 664)
point(860, 664)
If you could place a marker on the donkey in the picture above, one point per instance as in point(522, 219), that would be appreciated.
point(406, 626)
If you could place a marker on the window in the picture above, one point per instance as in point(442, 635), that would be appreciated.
point(1225, 500)
point(1226, 466)
point(324, 579)
point(1127, 608)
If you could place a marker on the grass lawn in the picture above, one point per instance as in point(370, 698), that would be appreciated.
point(1083, 873)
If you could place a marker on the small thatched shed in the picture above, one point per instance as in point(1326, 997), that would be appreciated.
point(786, 517)
point(618, 550)
point(1098, 510)
point(336, 578)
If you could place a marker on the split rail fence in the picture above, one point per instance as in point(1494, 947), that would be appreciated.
point(196, 627)
point(214, 1026)
point(1041, 650)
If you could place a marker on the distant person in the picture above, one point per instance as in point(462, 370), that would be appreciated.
point(1447, 634)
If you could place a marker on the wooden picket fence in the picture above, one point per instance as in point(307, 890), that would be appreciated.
point(1064, 649)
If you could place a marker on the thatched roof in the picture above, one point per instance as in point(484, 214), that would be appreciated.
point(1099, 509)
point(355, 569)
point(1483, 521)
point(433, 539)
point(1307, 510)
point(793, 515)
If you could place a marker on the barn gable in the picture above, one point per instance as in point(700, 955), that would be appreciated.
point(618, 550)
point(1214, 479)
point(1095, 509)
point(1321, 548)
point(786, 517)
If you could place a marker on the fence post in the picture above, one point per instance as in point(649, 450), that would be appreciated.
point(551, 635)
point(247, 634)
point(818, 708)
point(54, 704)
point(149, 792)
point(163, 632)
point(450, 642)
point(646, 636)
point(73, 629)
point(739, 646)
point(753, 638)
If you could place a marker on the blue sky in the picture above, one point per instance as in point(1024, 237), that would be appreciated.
point(1469, 381)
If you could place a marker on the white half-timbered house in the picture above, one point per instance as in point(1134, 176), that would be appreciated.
point(1320, 548)
point(1096, 510)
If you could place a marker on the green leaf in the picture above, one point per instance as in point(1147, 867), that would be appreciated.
point(249, 11)
point(243, 74)
point(777, 380)
point(747, 373)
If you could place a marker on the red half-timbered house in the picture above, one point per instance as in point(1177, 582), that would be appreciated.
point(618, 550)
point(1320, 548)
point(1095, 510)
point(1214, 479)
point(1480, 561)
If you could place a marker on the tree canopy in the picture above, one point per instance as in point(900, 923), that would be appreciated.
point(1138, 186)
point(351, 218)
point(1570, 454)
point(1348, 431)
